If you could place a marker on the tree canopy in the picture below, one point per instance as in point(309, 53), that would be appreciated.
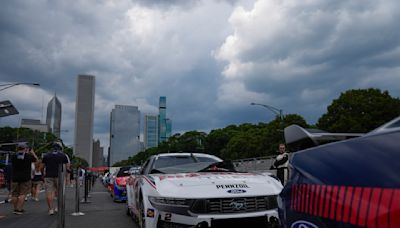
point(359, 111)
point(41, 142)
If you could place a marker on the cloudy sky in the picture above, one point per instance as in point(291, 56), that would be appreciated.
point(210, 58)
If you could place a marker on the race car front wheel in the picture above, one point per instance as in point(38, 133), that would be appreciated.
point(142, 215)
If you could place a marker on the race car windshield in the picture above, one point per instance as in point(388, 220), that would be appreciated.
point(185, 164)
point(224, 166)
point(179, 164)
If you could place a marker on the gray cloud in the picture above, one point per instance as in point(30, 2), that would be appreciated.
point(308, 49)
point(210, 58)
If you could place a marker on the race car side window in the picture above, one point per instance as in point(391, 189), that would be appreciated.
point(145, 167)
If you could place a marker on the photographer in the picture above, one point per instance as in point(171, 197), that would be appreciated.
point(21, 178)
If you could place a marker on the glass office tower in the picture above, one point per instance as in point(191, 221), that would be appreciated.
point(53, 118)
point(124, 133)
point(168, 128)
point(150, 131)
point(162, 120)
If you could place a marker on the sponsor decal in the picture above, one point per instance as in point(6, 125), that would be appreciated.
point(236, 191)
point(150, 213)
point(168, 216)
point(212, 175)
point(303, 224)
point(231, 186)
point(236, 205)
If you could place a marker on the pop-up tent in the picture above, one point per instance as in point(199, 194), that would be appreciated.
point(352, 183)
point(99, 169)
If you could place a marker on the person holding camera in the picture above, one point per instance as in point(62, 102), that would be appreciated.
point(21, 179)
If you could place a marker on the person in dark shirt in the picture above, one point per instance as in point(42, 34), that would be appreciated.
point(21, 178)
point(50, 162)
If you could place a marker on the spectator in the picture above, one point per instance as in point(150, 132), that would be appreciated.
point(281, 164)
point(50, 162)
point(21, 178)
point(81, 176)
point(37, 181)
point(8, 179)
point(71, 177)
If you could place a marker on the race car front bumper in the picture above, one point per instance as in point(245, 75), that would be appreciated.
point(257, 219)
point(259, 211)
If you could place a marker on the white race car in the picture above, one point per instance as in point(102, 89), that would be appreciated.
point(201, 190)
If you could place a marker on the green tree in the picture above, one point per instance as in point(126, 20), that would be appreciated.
point(216, 141)
point(192, 141)
point(360, 110)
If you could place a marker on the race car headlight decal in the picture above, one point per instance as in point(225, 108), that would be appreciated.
point(169, 201)
point(174, 205)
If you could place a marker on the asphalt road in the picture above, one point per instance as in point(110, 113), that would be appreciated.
point(102, 212)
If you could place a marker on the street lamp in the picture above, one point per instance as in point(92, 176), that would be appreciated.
point(9, 85)
point(277, 111)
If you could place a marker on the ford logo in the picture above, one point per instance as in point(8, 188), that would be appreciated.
point(303, 224)
point(236, 191)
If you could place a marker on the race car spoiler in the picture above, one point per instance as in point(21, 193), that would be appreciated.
point(350, 183)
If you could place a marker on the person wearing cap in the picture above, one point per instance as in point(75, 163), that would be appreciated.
point(21, 179)
point(50, 164)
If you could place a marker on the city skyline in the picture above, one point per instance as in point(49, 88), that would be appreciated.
point(210, 58)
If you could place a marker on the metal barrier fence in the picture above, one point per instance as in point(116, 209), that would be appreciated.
point(77, 194)
point(255, 164)
point(260, 164)
point(61, 196)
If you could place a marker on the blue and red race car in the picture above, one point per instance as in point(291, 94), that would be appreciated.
point(352, 183)
point(117, 184)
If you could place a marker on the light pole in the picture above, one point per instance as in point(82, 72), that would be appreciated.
point(278, 112)
point(9, 85)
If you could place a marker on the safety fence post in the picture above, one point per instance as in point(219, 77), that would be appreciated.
point(61, 196)
point(86, 188)
point(77, 212)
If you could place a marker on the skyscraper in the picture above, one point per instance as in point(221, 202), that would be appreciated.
point(150, 131)
point(84, 114)
point(53, 118)
point(97, 155)
point(168, 127)
point(124, 132)
point(162, 120)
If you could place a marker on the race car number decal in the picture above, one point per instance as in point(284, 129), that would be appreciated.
point(228, 186)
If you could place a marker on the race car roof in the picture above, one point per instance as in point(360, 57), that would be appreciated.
point(368, 161)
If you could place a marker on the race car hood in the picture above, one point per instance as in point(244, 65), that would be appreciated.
point(214, 185)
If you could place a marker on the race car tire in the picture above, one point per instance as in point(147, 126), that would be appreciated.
point(142, 215)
